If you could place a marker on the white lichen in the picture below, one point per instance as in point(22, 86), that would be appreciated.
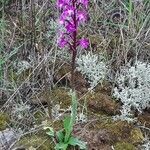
point(133, 86)
point(93, 67)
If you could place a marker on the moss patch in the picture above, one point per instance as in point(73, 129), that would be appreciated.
point(39, 142)
point(101, 102)
point(120, 129)
point(124, 146)
point(56, 96)
point(4, 120)
point(136, 136)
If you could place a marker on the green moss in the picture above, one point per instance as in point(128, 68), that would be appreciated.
point(101, 102)
point(124, 146)
point(39, 142)
point(136, 136)
point(119, 128)
point(121, 131)
point(56, 96)
point(4, 120)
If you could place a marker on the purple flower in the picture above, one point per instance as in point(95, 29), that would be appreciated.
point(81, 16)
point(69, 10)
point(73, 13)
point(84, 43)
point(62, 42)
point(62, 18)
point(70, 28)
point(66, 14)
point(71, 17)
point(60, 3)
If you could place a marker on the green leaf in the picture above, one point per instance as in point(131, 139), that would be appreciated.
point(68, 128)
point(53, 1)
point(50, 132)
point(60, 135)
point(61, 146)
point(76, 142)
point(1, 61)
point(69, 121)
point(66, 123)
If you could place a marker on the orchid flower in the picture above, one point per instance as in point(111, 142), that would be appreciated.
point(73, 14)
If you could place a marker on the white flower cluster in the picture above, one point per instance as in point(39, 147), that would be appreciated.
point(133, 88)
point(93, 67)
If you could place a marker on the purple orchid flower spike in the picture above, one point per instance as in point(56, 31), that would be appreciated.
point(84, 43)
point(70, 28)
point(62, 42)
point(82, 16)
point(73, 14)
